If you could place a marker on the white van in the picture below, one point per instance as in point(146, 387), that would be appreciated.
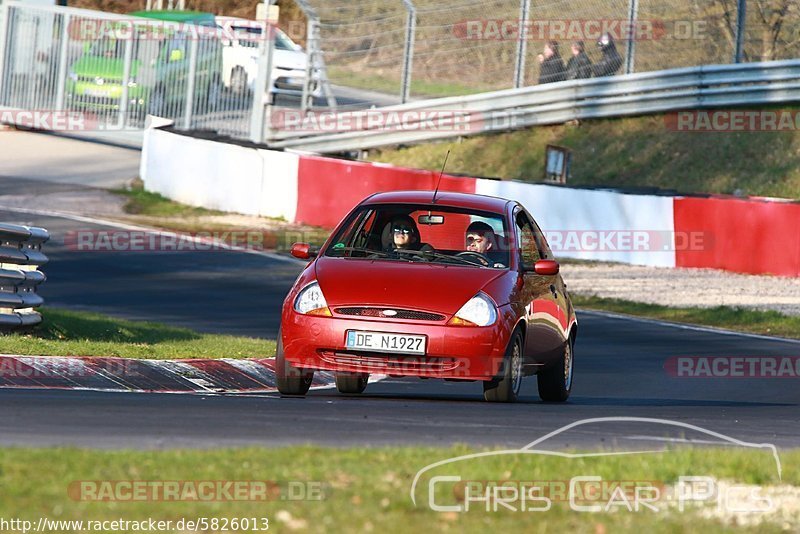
point(240, 59)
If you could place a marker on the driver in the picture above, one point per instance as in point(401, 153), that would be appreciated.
point(481, 239)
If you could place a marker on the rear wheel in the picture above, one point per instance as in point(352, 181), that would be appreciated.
point(506, 386)
point(351, 382)
point(290, 379)
point(555, 383)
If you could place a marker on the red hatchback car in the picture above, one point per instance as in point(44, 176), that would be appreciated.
point(456, 286)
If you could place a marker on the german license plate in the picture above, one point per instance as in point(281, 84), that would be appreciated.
point(385, 342)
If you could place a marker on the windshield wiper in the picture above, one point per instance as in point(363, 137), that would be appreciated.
point(358, 249)
point(439, 256)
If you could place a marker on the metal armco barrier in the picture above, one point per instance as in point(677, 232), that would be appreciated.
point(709, 86)
point(20, 259)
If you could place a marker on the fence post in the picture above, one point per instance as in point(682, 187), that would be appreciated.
point(522, 44)
point(191, 83)
point(312, 29)
point(741, 19)
point(633, 14)
point(61, 80)
point(5, 13)
point(408, 50)
point(263, 83)
point(126, 78)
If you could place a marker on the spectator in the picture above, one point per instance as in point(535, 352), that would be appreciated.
point(611, 61)
point(579, 65)
point(552, 66)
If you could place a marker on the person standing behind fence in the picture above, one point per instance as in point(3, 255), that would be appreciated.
point(611, 61)
point(551, 65)
point(579, 65)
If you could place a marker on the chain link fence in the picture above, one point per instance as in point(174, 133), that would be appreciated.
point(460, 47)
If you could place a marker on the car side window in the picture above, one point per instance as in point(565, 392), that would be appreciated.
point(526, 242)
point(544, 248)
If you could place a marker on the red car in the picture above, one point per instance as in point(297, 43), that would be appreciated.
point(448, 285)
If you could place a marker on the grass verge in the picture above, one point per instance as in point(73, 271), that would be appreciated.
point(70, 333)
point(141, 202)
point(368, 489)
point(770, 323)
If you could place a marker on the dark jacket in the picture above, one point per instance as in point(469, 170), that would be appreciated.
point(552, 70)
point(579, 67)
point(610, 63)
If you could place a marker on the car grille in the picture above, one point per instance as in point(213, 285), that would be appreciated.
point(401, 314)
point(387, 363)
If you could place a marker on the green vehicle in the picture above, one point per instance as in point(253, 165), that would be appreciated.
point(158, 80)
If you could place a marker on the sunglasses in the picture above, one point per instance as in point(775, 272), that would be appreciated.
point(401, 230)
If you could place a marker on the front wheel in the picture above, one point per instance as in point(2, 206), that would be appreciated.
point(506, 386)
point(351, 382)
point(555, 383)
point(290, 379)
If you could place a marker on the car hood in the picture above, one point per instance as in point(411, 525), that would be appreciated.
point(421, 286)
point(289, 59)
point(111, 69)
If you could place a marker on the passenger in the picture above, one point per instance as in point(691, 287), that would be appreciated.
point(405, 235)
point(579, 65)
point(611, 61)
point(552, 66)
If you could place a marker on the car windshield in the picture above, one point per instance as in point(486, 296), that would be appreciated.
point(422, 233)
point(250, 37)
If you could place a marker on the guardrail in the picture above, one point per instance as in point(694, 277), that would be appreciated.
point(707, 86)
point(20, 258)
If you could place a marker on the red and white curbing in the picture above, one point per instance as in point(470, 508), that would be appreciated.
point(154, 376)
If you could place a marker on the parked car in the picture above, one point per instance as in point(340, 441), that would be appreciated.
point(240, 59)
point(401, 289)
point(159, 70)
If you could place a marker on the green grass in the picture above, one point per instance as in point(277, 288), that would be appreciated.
point(366, 489)
point(769, 323)
point(368, 80)
point(70, 333)
point(141, 202)
point(631, 152)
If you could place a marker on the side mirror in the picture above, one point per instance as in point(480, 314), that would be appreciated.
point(304, 251)
point(546, 267)
point(176, 55)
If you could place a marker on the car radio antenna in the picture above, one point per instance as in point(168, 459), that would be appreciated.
point(439, 181)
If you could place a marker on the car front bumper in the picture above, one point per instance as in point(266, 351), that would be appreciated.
point(453, 352)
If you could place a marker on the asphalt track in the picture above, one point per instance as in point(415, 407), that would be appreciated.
point(619, 372)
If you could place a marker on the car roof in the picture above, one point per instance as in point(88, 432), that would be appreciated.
point(443, 198)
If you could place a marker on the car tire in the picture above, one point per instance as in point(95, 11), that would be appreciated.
point(506, 386)
point(555, 383)
point(239, 82)
point(290, 379)
point(352, 383)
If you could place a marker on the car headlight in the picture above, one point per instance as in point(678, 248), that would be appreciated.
point(479, 311)
point(311, 301)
